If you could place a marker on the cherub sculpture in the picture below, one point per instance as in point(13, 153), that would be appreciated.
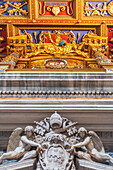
point(94, 147)
point(21, 145)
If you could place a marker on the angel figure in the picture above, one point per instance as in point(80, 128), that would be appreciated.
point(93, 145)
point(21, 145)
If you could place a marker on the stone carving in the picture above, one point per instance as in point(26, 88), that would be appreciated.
point(20, 145)
point(55, 140)
point(93, 145)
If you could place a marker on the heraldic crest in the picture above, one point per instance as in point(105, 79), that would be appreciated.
point(57, 143)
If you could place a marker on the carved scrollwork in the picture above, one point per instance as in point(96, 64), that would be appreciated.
point(42, 37)
point(70, 8)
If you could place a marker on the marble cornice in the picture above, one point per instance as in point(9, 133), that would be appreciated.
point(56, 85)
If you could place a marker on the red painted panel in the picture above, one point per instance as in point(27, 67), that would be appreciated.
point(3, 33)
point(49, 13)
point(63, 37)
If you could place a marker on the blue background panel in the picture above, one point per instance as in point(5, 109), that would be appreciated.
point(82, 32)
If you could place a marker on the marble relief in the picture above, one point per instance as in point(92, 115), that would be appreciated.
point(56, 141)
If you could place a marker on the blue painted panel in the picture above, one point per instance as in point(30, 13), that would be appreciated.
point(82, 32)
point(100, 7)
point(10, 7)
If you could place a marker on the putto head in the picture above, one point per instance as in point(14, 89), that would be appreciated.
point(55, 120)
point(29, 129)
point(82, 132)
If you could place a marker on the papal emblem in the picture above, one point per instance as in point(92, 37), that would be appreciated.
point(56, 10)
point(110, 8)
point(57, 143)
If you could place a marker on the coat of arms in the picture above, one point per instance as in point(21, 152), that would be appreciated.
point(55, 140)
point(56, 10)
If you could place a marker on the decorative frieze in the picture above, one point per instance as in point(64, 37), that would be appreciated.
point(50, 93)
point(51, 85)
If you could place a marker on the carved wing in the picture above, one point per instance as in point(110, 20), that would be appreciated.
point(96, 141)
point(14, 139)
